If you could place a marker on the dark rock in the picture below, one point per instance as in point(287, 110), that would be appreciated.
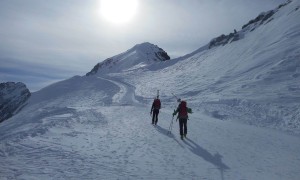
point(12, 97)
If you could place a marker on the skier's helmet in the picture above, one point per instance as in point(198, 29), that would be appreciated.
point(179, 100)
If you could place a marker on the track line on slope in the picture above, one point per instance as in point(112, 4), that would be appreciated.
point(126, 95)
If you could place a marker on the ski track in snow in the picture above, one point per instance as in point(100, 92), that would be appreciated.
point(125, 95)
point(118, 142)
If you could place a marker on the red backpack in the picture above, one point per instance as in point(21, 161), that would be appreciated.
point(156, 104)
point(183, 109)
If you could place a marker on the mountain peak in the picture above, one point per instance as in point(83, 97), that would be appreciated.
point(138, 56)
point(144, 44)
point(146, 47)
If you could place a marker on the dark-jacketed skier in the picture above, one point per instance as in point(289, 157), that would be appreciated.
point(182, 111)
point(155, 110)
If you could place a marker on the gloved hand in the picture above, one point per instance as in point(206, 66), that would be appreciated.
point(174, 113)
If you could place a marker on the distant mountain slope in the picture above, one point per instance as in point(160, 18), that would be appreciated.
point(139, 56)
point(12, 96)
point(254, 79)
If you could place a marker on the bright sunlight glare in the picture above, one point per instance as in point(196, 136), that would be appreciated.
point(118, 11)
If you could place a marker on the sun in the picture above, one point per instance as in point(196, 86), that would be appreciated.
point(118, 11)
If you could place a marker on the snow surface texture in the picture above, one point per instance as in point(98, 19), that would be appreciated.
point(99, 127)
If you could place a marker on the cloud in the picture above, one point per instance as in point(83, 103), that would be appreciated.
point(35, 76)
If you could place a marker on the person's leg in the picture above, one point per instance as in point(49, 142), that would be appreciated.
point(153, 116)
point(181, 127)
point(157, 112)
point(185, 127)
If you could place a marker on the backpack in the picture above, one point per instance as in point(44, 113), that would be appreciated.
point(156, 104)
point(183, 109)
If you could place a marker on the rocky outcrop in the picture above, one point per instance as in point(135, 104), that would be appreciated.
point(12, 98)
point(224, 39)
point(261, 19)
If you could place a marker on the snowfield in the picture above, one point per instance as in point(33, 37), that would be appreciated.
point(245, 125)
point(115, 140)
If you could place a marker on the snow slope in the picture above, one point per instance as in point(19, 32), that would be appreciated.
point(254, 80)
point(98, 126)
point(107, 134)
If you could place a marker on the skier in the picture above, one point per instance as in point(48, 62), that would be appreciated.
point(182, 111)
point(155, 110)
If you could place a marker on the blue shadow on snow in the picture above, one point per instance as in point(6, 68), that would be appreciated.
point(215, 159)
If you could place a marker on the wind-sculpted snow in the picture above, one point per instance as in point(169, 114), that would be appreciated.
point(79, 91)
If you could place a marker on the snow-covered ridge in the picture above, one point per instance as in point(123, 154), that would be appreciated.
point(12, 96)
point(140, 55)
point(253, 80)
point(262, 19)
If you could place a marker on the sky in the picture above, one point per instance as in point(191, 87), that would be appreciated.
point(44, 41)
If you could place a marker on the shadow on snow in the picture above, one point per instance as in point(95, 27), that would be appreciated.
point(215, 159)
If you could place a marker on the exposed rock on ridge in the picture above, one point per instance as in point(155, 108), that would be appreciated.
point(12, 97)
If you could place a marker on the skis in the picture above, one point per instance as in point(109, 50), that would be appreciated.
point(171, 124)
point(178, 99)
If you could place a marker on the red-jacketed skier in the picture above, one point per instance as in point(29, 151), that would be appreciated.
point(155, 110)
point(182, 111)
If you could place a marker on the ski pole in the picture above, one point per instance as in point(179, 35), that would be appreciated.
point(175, 96)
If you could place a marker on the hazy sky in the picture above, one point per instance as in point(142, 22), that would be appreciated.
point(43, 41)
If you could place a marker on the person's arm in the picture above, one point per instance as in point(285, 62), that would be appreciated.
point(176, 111)
point(152, 107)
point(159, 104)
